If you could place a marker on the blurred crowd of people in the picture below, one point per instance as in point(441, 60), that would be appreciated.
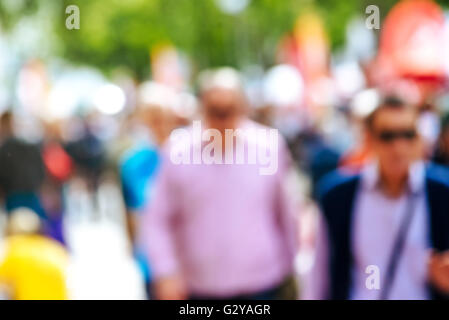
point(357, 208)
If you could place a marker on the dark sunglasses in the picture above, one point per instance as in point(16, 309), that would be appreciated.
point(391, 135)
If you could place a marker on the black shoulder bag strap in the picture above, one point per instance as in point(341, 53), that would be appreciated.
point(398, 246)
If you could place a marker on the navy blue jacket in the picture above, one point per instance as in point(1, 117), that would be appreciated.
point(337, 197)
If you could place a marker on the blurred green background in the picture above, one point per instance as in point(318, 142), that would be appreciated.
point(121, 33)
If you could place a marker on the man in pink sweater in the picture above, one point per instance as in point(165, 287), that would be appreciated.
point(220, 226)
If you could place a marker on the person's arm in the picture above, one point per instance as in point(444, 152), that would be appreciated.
point(286, 208)
point(160, 239)
point(317, 282)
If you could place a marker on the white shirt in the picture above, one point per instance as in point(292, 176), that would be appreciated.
point(375, 226)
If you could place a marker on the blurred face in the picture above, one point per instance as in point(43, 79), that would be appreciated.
point(222, 107)
point(160, 121)
point(395, 141)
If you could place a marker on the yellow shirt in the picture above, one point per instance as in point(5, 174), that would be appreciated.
point(35, 268)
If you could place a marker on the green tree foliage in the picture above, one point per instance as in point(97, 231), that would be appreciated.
point(121, 33)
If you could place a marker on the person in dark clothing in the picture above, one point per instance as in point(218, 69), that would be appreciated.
point(313, 155)
point(88, 154)
point(441, 155)
point(383, 231)
point(21, 170)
